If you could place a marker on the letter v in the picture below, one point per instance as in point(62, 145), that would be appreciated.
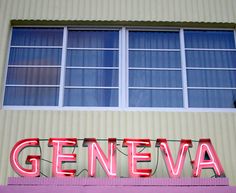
point(174, 170)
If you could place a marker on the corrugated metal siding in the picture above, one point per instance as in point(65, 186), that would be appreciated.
point(14, 125)
point(122, 10)
point(220, 127)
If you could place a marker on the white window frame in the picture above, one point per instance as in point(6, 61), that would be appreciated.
point(28, 66)
point(123, 87)
point(155, 69)
point(95, 68)
point(207, 68)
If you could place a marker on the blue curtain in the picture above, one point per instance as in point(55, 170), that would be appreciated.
point(149, 84)
point(33, 74)
point(211, 73)
point(92, 61)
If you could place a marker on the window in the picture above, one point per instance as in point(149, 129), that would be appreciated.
point(97, 67)
point(211, 68)
point(92, 68)
point(34, 66)
point(155, 69)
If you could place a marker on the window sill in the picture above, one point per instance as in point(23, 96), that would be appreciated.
point(124, 109)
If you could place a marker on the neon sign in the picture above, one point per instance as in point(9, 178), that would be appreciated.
point(95, 152)
point(134, 157)
point(33, 159)
point(174, 170)
point(108, 163)
point(59, 157)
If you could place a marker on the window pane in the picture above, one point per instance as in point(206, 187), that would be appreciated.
point(82, 77)
point(155, 78)
point(211, 59)
point(27, 67)
point(212, 98)
point(32, 96)
point(93, 39)
point(155, 98)
point(209, 39)
point(34, 56)
point(211, 78)
point(154, 40)
point(154, 59)
point(33, 76)
point(91, 97)
point(91, 58)
point(79, 54)
point(37, 37)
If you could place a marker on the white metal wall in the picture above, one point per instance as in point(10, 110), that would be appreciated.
point(18, 124)
point(122, 10)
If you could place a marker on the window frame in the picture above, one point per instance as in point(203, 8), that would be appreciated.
point(32, 66)
point(65, 67)
point(123, 68)
point(176, 69)
point(212, 69)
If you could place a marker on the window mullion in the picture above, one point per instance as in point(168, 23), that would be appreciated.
point(7, 66)
point(63, 67)
point(184, 69)
point(235, 37)
point(123, 69)
point(127, 68)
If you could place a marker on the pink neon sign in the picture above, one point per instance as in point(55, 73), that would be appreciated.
point(33, 159)
point(134, 157)
point(206, 157)
point(205, 147)
point(174, 170)
point(95, 152)
point(59, 157)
